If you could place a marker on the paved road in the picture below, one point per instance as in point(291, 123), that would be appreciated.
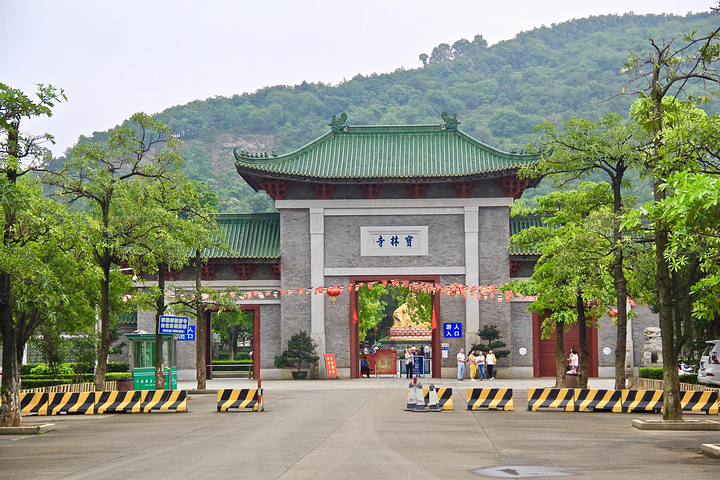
point(354, 429)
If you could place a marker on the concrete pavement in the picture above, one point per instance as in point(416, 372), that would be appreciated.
point(355, 429)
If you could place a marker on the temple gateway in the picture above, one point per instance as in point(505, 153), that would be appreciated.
point(415, 205)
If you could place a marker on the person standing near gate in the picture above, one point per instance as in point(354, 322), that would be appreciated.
point(461, 364)
point(472, 361)
point(490, 361)
point(408, 363)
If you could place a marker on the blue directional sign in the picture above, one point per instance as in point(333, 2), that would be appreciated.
point(174, 325)
point(452, 329)
point(189, 335)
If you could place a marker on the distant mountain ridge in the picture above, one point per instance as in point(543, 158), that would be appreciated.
point(499, 93)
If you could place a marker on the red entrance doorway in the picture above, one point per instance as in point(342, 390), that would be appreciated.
point(544, 361)
point(436, 331)
point(255, 309)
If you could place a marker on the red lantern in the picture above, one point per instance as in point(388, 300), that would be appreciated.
point(333, 292)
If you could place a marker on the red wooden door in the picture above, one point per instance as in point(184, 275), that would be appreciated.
point(544, 362)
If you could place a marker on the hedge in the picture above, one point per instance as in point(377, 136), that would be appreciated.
point(26, 368)
point(37, 381)
point(656, 373)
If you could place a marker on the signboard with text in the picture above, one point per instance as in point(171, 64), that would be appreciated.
point(330, 365)
point(189, 334)
point(386, 362)
point(452, 330)
point(393, 241)
point(174, 325)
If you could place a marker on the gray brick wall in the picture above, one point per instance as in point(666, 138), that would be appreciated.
point(521, 335)
point(295, 254)
point(270, 342)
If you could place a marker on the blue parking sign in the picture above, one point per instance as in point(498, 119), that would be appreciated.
point(452, 330)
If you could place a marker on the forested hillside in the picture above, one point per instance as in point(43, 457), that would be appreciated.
point(499, 94)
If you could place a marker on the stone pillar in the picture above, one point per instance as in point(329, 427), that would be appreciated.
point(317, 278)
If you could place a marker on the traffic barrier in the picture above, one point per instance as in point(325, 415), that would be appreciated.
point(433, 402)
point(164, 400)
point(700, 402)
point(549, 398)
point(490, 398)
point(239, 398)
point(411, 396)
point(75, 402)
point(444, 395)
point(112, 402)
point(32, 402)
point(642, 401)
point(585, 398)
point(420, 402)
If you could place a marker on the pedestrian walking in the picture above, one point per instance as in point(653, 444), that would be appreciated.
point(408, 363)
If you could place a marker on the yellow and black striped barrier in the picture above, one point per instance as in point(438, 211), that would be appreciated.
point(585, 398)
point(164, 400)
point(32, 402)
point(74, 402)
point(240, 398)
point(642, 401)
point(490, 398)
point(113, 402)
point(549, 398)
point(698, 401)
point(103, 402)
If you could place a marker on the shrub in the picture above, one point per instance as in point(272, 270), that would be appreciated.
point(300, 349)
point(26, 368)
point(689, 378)
point(40, 369)
point(653, 373)
point(118, 366)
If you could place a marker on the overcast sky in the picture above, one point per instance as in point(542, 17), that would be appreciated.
point(115, 58)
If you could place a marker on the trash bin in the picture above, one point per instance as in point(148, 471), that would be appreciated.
point(124, 384)
point(571, 380)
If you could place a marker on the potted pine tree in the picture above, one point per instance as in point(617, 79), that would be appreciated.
point(300, 350)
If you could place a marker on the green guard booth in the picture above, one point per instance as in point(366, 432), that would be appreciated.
point(142, 360)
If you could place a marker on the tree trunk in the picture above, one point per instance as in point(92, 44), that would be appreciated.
point(584, 354)
point(620, 288)
point(160, 310)
point(560, 354)
point(104, 347)
point(10, 397)
point(200, 334)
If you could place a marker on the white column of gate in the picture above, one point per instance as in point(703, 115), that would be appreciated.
point(317, 278)
point(472, 274)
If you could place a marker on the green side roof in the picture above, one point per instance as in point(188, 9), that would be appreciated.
point(249, 237)
point(385, 154)
point(520, 223)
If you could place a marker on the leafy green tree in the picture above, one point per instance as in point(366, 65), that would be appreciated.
point(233, 326)
point(611, 147)
point(371, 308)
point(572, 279)
point(108, 180)
point(23, 225)
point(667, 73)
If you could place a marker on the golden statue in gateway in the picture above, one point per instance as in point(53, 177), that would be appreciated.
point(402, 318)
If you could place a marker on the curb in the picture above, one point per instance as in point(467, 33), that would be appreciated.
point(686, 425)
point(28, 429)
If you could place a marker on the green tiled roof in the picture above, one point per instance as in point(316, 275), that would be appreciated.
point(520, 223)
point(385, 154)
point(250, 237)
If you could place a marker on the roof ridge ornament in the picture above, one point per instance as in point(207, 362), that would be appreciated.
point(450, 124)
point(339, 125)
